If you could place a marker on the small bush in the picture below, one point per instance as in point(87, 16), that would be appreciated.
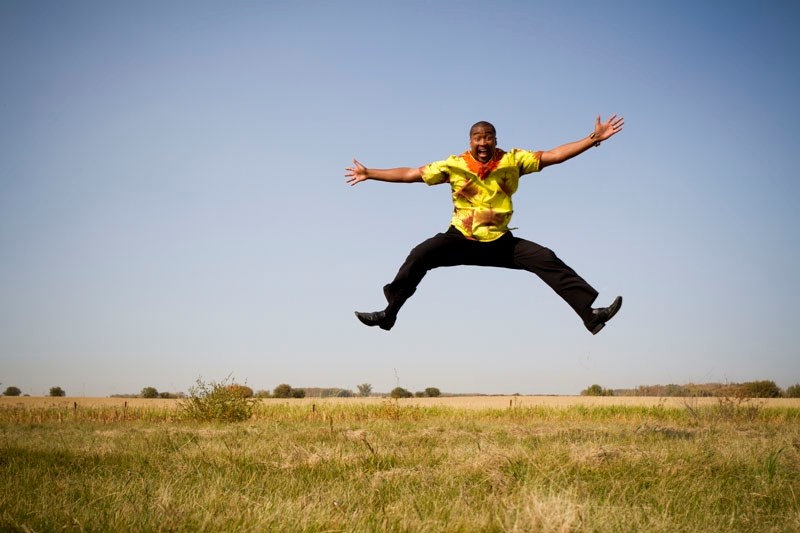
point(284, 390)
point(793, 391)
point(57, 392)
point(12, 391)
point(217, 402)
point(432, 392)
point(242, 390)
point(737, 409)
point(400, 392)
point(597, 390)
point(149, 392)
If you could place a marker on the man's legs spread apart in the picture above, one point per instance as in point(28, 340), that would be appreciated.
point(572, 288)
point(443, 249)
point(452, 248)
point(543, 262)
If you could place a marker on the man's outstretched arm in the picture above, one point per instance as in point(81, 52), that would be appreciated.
point(602, 131)
point(359, 173)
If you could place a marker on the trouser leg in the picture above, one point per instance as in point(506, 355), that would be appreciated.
point(541, 261)
point(443, 249)
point(452, 248)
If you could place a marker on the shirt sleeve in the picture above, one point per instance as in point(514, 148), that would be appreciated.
point(527, 161)
point(436, 172)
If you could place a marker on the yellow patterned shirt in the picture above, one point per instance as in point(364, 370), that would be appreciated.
point(482, 206)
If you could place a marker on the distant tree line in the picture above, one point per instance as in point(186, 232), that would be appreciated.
point(748, 389)
point(284, 390)
point(152, 392)
point(333, 392)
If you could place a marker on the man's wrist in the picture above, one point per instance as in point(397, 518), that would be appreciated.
point(594, 138)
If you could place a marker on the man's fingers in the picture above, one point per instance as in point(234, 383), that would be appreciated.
point(614, 122)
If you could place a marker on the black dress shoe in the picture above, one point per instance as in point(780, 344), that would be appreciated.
point(601, 315)
point(378, 318)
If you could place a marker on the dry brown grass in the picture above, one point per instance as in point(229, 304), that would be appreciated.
point(68, 402)
point(462, 402)
point(488, 463)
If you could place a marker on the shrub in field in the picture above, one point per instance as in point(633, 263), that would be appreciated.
point(365, 389)
point(597, 390)
point(284, 390)
point(149, 392)
point(741, 408)
point(242, 390)
point(432, 392)
point(57, 392)
point(12, 391)
point(793, 391)
point(400, 392)
point(217, 402)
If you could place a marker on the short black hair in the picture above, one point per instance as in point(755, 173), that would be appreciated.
point(484, 124)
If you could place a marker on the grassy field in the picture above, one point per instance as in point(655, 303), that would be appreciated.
point(447, 464)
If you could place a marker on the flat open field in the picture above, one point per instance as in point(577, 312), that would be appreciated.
point(465, 402)
point(483, 463)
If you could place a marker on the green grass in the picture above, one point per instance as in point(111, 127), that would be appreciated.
point(393, 467)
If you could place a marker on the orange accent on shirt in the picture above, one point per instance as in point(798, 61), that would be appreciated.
point(481, 192)
point(483, 169)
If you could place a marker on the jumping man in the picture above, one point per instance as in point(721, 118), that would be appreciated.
point(482, 180)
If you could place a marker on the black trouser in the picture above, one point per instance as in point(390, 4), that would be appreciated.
point(452, 248)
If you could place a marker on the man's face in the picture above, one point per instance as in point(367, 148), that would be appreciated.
point(482, 142)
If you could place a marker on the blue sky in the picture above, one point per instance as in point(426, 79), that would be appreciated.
point(173, 204)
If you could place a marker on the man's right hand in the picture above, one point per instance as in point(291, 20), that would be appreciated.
point(359, 173)
point(356, 174)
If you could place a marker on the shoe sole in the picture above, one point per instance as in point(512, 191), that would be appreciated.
point(598, 328)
